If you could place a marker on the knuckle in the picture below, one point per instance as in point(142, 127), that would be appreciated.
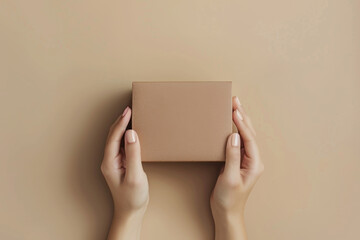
point(103, 169)
point(134, 181)
point(250, 138)
point(232, 181)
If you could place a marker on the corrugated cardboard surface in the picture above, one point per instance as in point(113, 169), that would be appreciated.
point(66, 69)
point(182, 121)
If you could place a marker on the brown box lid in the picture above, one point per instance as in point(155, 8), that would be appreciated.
point(182, 121)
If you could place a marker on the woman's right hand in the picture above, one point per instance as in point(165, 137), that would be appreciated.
point(243, 167)
point(124, 174)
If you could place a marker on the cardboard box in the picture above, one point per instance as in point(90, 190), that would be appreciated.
point(182, 121)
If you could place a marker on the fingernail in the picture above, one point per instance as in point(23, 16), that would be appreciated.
point(125, 111)
point(235, 140)
point(238, 114)
point(237, 101)
point(130, 136)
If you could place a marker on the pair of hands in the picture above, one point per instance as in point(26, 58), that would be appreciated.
point(122, 169)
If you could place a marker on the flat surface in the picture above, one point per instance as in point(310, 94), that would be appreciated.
point(182, 121)
point(66, 69)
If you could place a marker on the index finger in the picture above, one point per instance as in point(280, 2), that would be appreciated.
point(117, 130)
point(251, 149)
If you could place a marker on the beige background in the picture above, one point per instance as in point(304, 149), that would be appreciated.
point(66, 69)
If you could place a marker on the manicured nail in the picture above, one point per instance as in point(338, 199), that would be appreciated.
point(130, 136)
point(237, 101)
point(125, 111)
point(235, 140)
point(238, 114)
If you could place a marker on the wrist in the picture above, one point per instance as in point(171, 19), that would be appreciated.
point(230, 226)
point(228, 219)
point(225, 214)
point(126, 225)
point(128, 217)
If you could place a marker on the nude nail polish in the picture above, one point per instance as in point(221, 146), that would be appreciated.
point(235, 140)
point(238, 114)
point(237, 101)
point(130, 136)
point(125, 111)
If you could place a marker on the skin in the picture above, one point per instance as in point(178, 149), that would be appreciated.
point(126, 179)
point(129, 186)
point(242, 169)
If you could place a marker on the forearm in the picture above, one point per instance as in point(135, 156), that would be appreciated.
point(230, 228)
point(125, 228)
